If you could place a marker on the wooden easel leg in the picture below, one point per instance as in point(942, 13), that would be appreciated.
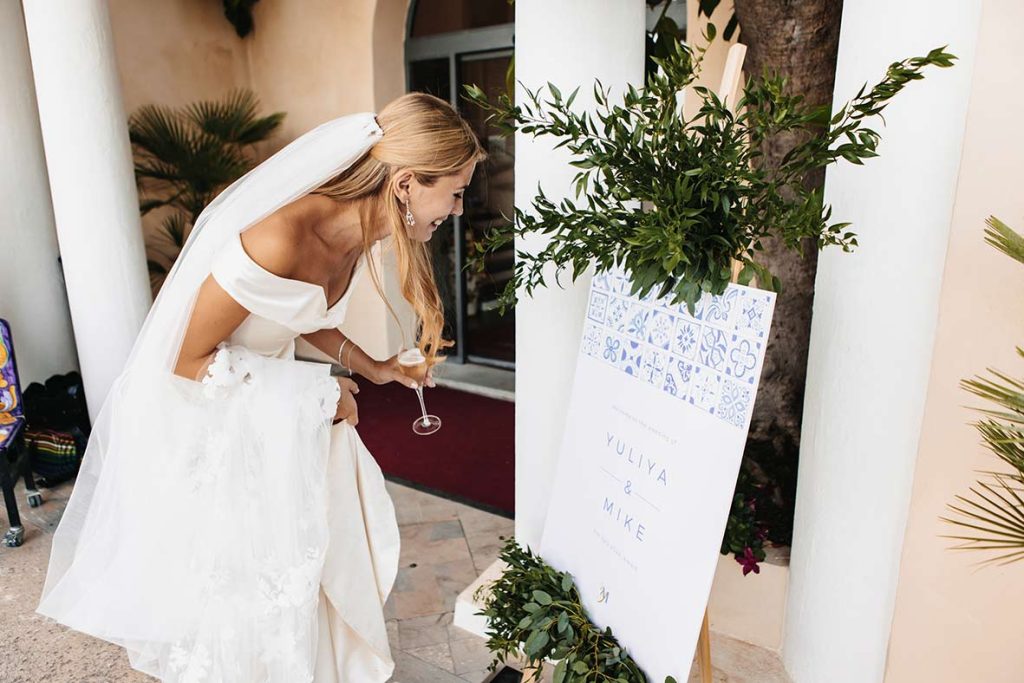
point(704, 651)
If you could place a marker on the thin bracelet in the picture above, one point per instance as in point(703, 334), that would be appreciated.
point(350, 356)
point(340, 349)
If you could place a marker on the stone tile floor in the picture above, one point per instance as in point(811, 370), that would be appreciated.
point(445, 546)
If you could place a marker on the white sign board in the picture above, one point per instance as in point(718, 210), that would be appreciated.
point(657, 423)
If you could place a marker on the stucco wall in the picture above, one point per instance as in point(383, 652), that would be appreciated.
point(173, 53)
point(954, 621)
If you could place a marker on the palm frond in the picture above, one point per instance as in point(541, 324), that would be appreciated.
point(185, 157)
point(147, 205)
point(233, 119)
point(1006, 442)
point(993, 511)
point(993, 516)
point(1004, 238)
point(214, 164)
point(161, 133)
point(261, 128)
point(175, 227)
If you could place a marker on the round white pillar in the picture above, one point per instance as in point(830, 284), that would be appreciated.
point(872, 334)
point(92, 183)
point(569, 43)
point(32, 297)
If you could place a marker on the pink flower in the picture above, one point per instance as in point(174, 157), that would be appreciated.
point(749, 562)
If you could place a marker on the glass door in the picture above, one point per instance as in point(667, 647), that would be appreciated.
point(490, 336)
point(440, 65)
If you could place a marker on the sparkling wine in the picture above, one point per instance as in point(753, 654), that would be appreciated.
point(414, 365)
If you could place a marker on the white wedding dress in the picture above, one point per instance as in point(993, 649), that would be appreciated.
point(270, 554)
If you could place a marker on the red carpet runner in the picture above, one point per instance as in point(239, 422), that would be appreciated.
point(471, 459)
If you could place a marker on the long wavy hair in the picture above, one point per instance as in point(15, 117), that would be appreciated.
point(428, 136)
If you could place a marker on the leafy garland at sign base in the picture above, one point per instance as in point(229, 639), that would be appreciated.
point(673, 200)
point(536, 609)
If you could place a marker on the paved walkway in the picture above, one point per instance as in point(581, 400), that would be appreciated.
point(445, 547)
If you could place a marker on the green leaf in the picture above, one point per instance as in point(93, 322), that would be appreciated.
point(536, 641)
point(559, 673)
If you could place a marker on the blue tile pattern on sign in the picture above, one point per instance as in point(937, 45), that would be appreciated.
point(710, 359)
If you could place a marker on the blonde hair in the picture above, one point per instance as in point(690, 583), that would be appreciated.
point(426, 135)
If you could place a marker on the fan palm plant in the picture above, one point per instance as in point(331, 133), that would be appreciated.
point(185, 156)
point(992, 514)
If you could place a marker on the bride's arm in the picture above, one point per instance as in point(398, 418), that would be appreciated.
point(214, 317)
point(216, 314)
point(355, 359)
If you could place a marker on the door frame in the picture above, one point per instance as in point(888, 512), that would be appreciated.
point(477, 43)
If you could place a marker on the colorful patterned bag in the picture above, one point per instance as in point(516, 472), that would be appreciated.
point(55, 456)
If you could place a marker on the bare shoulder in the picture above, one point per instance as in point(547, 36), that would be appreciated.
point(276, 242)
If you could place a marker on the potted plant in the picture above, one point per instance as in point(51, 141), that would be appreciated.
point(185, 156)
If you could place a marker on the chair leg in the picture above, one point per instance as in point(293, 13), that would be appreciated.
point(16, 534)
point(35, 499)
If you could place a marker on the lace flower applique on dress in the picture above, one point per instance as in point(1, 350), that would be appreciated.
point(228, 369)
point(328, 394)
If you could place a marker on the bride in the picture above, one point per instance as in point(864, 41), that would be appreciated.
point(227, 523)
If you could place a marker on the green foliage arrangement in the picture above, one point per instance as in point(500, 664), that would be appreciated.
point(992, 515)
point(676, 200)
point(185, 156)
point(762, 506)
point(536, 609)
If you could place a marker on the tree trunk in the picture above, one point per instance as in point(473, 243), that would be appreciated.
point(799, 40)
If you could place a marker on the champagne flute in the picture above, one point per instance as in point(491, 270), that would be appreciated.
point(413, 365)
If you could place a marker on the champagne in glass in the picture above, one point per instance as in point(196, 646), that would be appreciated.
point(414, 366)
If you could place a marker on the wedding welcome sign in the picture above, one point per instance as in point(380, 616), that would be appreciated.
point(657, 422)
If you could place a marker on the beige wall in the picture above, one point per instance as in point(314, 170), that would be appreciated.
point(389, 50)
point(172, 53)
point(954, 622)
point(314, 60)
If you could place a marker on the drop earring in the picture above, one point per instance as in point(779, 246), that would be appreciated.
point(409, 220)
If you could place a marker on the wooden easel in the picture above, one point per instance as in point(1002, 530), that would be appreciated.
point(704, 651)
point(728, 92)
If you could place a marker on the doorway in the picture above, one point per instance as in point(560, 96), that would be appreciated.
point(451, 43)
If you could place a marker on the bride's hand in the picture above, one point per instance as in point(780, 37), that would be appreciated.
point(347, 409)
point(389, 371)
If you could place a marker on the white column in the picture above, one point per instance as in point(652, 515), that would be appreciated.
point(91, 180)
point(32, 297)
point(570, 43)
point(872, 335)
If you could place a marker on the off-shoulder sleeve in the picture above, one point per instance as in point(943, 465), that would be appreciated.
point(295, 304)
